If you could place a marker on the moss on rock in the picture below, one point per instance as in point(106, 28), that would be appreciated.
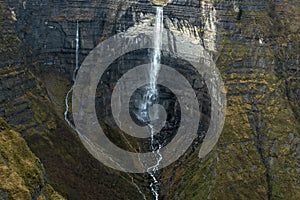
point(22, 174)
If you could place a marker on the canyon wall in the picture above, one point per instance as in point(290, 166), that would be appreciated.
point(255, 45)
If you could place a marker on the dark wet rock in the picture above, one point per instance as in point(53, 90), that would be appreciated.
point(3, 195)
point(254, 44)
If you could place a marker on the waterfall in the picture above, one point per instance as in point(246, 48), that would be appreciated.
point(152, 97)
point(209, 17)
point(73, 78)
point(155, 63)
point(77, 51)
point(67, 108)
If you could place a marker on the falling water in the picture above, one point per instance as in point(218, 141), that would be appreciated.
point(155, 64)
point(209, 16)
point(67, 109)
point(77, 51)
point(152, 96)
point(73, 78)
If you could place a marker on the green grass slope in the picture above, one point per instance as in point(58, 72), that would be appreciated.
point(22, 175)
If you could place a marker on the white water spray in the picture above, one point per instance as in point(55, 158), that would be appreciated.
point(152, 96)
point(155, 64)
point(209, 16)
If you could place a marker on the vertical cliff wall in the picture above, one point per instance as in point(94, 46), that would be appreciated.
point(32, 103)
point(258, 54)
point(255, 45)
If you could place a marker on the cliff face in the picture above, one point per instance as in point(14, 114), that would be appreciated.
point(22, 175)
point(258, 54)
point(32, 103)
point(255, 45)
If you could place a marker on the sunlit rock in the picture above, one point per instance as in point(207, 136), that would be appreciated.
point(160, 2)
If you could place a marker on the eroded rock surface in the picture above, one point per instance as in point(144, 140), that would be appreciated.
point(255, 45)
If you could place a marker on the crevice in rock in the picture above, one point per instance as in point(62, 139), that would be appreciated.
point(255, 120)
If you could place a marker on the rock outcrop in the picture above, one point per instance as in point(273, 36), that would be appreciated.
point(22, 175)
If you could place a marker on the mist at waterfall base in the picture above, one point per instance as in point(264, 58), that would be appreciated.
point(151, 96)
point(165, 98)
point(142, 102)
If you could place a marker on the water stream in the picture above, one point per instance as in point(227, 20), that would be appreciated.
point(67, 108)
point(151, 98)
point(73, 78)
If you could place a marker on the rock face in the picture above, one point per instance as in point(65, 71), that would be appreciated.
point(255, 45)
point(159, 2)
point(34, 108)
